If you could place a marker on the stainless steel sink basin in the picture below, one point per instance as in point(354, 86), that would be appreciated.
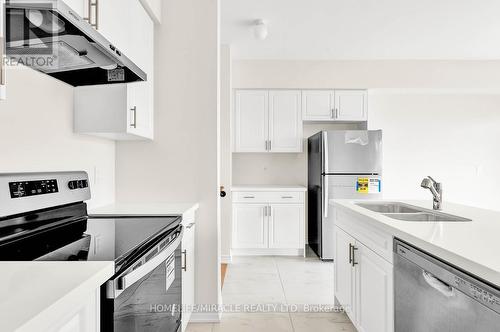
point(390, 207)
point(406, 212)
point(426, 217)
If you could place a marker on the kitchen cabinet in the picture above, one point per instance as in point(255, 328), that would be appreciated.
point(121, 111)
point(318, 105)
point(268, 121)
point(374, 291)
point(268, 223)
point(84, 319)
point(78, 6)
point(188, 270)
point(335, 105)
point(250, 226)
point(363, 283)
point(344, 276)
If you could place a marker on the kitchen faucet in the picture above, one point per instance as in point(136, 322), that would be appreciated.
point(436, 189)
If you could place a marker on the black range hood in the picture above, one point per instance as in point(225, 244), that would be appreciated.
point(50, 37)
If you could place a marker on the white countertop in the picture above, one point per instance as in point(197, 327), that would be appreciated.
point(268, 188)
point(144, 209)
point(473, 246)
point(35, 294)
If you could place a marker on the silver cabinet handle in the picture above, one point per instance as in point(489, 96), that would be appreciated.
point(190, 225)
point(266, 145)
point(93, 7)
point(350, 253)
point(332, 113)
point(265, 211)
point(336, 113)
point(270, 145)
point(184, 253)
point(289, 197)
point(270, 211)
point(133, 123)
point(248, 196)
point(353, 250)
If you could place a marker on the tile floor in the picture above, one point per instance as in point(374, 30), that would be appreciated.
point(279, 294)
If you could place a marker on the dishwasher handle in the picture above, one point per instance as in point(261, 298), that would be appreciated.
point(438, 285)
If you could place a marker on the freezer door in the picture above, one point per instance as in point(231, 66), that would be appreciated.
point(353, 152)
point(343, 187)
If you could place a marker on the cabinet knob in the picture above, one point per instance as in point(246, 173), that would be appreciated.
point(222, 192)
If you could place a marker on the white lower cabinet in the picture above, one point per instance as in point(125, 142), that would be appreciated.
point(268, 223)
point(83, 319)
point(363, 284)
point(188, 270)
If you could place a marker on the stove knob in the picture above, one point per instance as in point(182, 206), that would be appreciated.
point(72, 185)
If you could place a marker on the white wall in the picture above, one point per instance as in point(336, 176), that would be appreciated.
point(181, 164)
point(455, 138)
point(439, 119)
point(36, 134)
point(225, 151)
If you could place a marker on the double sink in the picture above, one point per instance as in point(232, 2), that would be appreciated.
point(406, 212)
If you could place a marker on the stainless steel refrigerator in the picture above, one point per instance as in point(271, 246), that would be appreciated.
point(341, 165)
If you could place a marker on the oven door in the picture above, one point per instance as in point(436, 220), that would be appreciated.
point(148, 297)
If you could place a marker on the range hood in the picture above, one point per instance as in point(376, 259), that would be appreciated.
point(50, 37)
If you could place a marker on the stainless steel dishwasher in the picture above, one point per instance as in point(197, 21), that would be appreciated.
point(431, 295)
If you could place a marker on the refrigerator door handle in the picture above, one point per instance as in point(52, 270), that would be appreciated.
point(326, 194)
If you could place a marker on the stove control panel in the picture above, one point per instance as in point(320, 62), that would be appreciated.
point(78, 184)
point(32, 188)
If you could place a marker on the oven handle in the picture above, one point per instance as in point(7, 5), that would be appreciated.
point(117, 286)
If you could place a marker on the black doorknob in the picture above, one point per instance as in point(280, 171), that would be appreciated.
point(222, 192)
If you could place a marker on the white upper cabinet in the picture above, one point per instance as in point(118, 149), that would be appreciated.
point(267, 121)
point(351, 105)
point(121, 111)
point(285, 121)
point(251, 121)
point(335, 105)
point(318, 105)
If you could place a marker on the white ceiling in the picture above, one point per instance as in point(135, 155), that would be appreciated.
point(364, 29)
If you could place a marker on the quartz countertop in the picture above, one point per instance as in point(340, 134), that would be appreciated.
point(268, 188)
point(473, 246)
point(159, 209)
point(35, 295)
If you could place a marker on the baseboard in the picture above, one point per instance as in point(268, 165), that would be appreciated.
point(267, 252)
point(205, 317)
point(226, 259)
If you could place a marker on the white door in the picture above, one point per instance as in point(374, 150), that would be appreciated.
point(351, 105)
point(286, 223)
point(374, 291)
point(250, 226)
point(251, 121)
point(188, 273)
point(318, 105)
point(343, 271)
point(285, 121)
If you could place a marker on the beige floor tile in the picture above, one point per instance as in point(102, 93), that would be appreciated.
point(254, 323)
point(199, 327)
point(333, 322)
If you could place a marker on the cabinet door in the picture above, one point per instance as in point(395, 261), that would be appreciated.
point(285, 121)
point(250, 229)
point(374, 291)
point(344, 274)
point(286, 226)
point(188, 274)
point(318, 105)
point(251, 130)
point(351, 105)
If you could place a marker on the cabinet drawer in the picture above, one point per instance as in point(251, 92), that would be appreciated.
point(268, 197)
